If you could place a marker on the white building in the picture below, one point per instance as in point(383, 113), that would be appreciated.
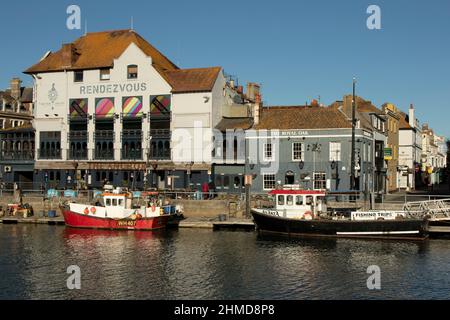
point(410, 150)
point(433, 154)
point(109, 106)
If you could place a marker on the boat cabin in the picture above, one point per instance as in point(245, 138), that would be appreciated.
point(300, 204)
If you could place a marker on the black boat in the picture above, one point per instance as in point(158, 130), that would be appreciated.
point(303, 213)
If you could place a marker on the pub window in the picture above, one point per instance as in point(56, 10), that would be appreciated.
point(78, 76)
point(335, 151)
point(268, 154)
point(132, 71)
point(105, 74)
point(269, 181)
point(226, 182)
point(297, 151)
point(237, 182)
point(320, 182)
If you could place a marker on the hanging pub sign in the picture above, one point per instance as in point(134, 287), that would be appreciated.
point(387, 154)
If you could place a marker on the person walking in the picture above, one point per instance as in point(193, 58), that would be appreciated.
point(205, 190)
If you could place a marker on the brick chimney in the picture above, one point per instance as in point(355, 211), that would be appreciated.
point(69, 55)
point(15, 85)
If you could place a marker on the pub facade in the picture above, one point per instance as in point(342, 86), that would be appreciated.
point(112, 109)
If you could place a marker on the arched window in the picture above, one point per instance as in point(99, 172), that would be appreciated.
point(132, 71)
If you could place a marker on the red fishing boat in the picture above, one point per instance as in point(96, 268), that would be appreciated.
point(115, 211)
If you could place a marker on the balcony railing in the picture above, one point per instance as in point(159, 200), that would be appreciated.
point(104, 135)
point(107, 154)
point(17, 155)
point(49, 154)
point(131, 134)
point(77, 154)
point(160, 133)
point(77, 136)
point(132, 154)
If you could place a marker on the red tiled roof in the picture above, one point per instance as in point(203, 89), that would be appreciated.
point(301, 117)
point(98, 50)
point(192, 80)
point(403, 124)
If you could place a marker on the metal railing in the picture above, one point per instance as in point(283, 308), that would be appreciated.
point(107, 154)
point(77, 154)
point(49, 154)
point(106, 135)
point(132, 154)
point(17, 155)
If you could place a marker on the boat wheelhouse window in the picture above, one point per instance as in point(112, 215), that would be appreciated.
point(290, 200)
point(121, 202)
point(108, 202)
point(299, 200)
point(281, 200)
point(114, 202)
point(309, 200)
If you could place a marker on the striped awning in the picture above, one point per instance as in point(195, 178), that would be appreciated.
point(78, 108)
point(104, 108)
point(132, 107)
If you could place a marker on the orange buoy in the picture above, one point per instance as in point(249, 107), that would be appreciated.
point(86, 211)
point(93, 210)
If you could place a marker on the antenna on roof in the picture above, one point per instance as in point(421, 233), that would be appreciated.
point(132, 23)
point(85, 27)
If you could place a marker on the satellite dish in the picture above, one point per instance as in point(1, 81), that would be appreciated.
point(46, 55)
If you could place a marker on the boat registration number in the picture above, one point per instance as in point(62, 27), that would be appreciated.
point(126, 223)
point(271, 212)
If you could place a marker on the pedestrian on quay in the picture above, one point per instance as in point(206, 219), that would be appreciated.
point(205, 190)
point(212, 189)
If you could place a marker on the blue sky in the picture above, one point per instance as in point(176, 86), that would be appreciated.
point(297, 50)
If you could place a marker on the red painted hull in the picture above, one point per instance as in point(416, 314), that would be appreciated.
point(76, 220)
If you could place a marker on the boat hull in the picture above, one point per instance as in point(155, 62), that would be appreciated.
point(76, 220)
point(389, 229)
point(439, 228)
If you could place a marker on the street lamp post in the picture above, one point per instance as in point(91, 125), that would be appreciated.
point(352, 166)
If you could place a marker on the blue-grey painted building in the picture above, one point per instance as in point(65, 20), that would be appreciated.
point(309, 147)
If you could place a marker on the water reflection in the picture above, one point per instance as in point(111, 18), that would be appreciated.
point(200, 264)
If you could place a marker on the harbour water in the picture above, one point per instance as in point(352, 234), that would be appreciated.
point(202, 264)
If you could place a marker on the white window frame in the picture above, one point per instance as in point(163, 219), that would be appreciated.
point(322, 181)
point(105, 74)
point(265, 151)
point(302, 151)
point(265, 181)
point(335, 153)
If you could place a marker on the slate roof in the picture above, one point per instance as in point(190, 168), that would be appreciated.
point(302, 117)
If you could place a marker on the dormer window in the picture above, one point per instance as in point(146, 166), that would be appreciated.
point(105, 74)
point(78, 76)
point(132, 71)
